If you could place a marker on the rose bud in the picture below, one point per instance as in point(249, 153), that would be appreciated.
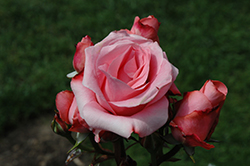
point(198, 114)
point(68, 111)
point(79, 57)
point(146, 27)
point(59, 127)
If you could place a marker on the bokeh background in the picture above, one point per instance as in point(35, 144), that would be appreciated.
point(205, 39)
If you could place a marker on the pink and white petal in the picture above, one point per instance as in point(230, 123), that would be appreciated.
point(127, 111)
point(143, 123)
point(151, 118)
point(63, 103)
point(116, 90)
point(109, 53)
point(93, 77)
point(73, 109)
point(99, 119)
point(140, 77)
point(140, 99)
point(83, 95)
point(163, 79)
point(131, 67)
point(119, 61)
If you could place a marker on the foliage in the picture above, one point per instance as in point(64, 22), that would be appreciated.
point(204, 39)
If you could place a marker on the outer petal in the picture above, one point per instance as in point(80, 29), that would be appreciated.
point(197, 122)
point(173, 90)
point(79, 57)
point(79, 124)
point(151, 21)
point(151, 118)
point(215, 91)
point(143, 123)
point(63, 103)
point(191, 140)
point(83, 95)
point(192, 101)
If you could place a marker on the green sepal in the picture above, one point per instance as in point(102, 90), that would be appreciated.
point(170, 139)
point(212, 140)
point(80, 137)
point(190, 152)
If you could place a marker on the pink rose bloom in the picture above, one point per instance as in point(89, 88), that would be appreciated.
point(122, 88)
point(198, 114)
point(68, 111)
point(146, 27)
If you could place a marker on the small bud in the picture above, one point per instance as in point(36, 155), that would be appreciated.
point(59, 127)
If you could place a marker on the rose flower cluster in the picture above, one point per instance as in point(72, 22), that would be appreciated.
point(124, 86)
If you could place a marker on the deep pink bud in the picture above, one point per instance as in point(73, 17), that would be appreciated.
point(79, 57)
point(146, 27)
point(198, 114)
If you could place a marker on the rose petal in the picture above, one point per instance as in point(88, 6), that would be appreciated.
point(83, 95)
point(215, 91)
point(192, 101)
point(63, 103)
point(72, 110)
point(151, 21)
point(144, 123)
point(114, 85)
point(191, 140)
point(198, 122)
point(78, 124)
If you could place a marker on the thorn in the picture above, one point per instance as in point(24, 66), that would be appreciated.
point(192, 158)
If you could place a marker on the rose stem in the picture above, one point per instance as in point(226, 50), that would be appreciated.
point(119, 150)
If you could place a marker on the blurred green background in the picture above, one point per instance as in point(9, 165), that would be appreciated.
point(205, 39)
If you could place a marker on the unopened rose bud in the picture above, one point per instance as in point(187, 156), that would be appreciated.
point(59, 127)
